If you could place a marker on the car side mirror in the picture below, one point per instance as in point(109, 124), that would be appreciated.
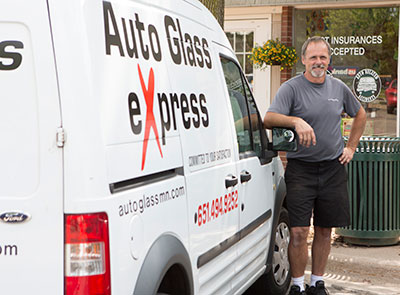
point(284, 139)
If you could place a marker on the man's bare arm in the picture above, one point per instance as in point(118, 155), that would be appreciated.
point(357, 129)
point(304, 131)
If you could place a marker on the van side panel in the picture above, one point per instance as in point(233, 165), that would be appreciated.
point(31, 187)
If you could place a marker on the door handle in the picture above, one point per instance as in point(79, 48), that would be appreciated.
point(231, 181)
point(245, 176)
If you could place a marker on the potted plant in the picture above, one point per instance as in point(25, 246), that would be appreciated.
point(273, 52)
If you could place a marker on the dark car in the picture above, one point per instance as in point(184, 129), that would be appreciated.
point(391, 97)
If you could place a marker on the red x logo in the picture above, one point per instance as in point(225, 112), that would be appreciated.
point(150, 120)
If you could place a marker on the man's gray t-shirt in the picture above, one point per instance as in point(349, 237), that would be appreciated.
point(321, 106)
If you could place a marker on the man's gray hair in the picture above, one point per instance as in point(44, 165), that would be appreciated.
point(314, 39)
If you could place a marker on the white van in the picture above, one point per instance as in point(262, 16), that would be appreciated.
point(132, 158)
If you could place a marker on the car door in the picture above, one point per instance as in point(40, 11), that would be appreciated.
point(31, 190)
point(254, 170)
point(210, 172)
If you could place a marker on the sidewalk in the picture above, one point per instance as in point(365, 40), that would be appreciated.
point(365, 270)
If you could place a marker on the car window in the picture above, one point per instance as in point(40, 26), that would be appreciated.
point(255, 120)
point(238, 103)
point(245, 114)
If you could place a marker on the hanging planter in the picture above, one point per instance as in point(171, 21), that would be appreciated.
point(274, 53)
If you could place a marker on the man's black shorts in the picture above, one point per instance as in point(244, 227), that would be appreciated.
point(318, 186)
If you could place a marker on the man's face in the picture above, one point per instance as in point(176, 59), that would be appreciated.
point(316, 59)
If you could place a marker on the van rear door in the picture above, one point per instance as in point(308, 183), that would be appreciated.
point(31, 187)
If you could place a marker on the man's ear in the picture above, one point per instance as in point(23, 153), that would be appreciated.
point(302, 60)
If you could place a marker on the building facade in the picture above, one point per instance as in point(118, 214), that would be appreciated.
point(364, 36)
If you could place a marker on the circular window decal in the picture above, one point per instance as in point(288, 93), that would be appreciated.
point(367, 85)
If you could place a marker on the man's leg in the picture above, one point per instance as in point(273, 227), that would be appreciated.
point(321, 248)
point(298, 254)
point(302, 183)
point(320, 251)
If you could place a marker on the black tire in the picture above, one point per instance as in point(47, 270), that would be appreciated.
point(277, 280)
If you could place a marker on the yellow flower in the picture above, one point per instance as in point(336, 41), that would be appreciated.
point(273, 52)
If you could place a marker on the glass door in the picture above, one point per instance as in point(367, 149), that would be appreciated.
point(364, 55)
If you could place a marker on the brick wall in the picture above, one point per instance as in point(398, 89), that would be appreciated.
point(287, 36)
point(287, 39)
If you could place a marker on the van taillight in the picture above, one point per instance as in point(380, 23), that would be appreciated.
point(87, 258)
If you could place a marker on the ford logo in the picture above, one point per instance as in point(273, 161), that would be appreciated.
point(14, 217)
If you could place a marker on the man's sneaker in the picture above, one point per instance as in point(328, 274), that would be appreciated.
point(319, 289)
point(295, 290)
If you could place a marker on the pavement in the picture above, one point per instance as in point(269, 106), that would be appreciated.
point(353, 269)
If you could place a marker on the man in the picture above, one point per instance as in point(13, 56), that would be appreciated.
point(315, 175)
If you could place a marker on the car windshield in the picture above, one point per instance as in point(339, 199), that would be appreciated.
point(394, 85)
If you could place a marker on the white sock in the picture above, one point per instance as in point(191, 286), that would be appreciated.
point(299, 282)
point(315, 279)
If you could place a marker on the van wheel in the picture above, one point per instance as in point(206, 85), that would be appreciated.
point(277, 280)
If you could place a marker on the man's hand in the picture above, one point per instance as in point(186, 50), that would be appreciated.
point(347, 155)
point(357, 129)
point(305, 132)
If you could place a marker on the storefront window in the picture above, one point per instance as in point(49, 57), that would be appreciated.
point(364, 54)
point(242, 43)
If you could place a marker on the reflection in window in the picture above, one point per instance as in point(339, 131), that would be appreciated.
point(255, 119)
point(248, 127)
point(238, 102)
